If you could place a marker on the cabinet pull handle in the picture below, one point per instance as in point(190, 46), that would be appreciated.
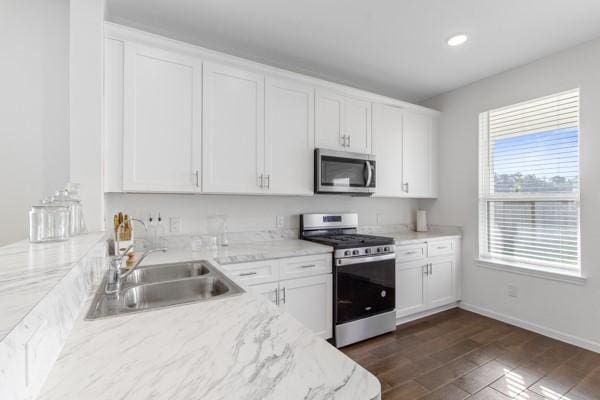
point(262, 180)
point(247, 273)
point(430, 269)
point(348, 140)
point(405, 187)
point(410, 253)
point(283, 295)
point(308, 266)
point(197, 178)
point(268, 180)
point(441, 247)
point(344, 141)
point(276, 296)
point(426, 269)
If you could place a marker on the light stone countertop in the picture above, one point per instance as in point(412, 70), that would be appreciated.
point(241, 347)
point(420, 237)
point(29, 271)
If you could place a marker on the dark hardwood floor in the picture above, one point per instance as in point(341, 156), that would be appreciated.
point(458, 355)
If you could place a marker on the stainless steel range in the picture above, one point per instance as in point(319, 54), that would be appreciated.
point(364, 276)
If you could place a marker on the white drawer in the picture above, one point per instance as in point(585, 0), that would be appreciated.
point(410, 252)
point(254, 272)
point(439, 248)
point(305, 266)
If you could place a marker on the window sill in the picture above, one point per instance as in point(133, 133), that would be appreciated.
point(545, 273)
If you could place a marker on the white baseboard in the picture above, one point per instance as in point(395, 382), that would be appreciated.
point(554, 334)
point(423, 314)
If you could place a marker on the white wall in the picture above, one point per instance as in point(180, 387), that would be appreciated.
point(34, 125)
point(561, 309)
point(250, 213)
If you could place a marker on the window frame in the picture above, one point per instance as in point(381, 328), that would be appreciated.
point(485, 196)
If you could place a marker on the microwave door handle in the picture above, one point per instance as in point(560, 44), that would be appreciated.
point(369, 173)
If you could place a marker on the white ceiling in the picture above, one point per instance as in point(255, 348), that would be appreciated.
point(392, 47)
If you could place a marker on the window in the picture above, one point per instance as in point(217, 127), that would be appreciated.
point(529, 183)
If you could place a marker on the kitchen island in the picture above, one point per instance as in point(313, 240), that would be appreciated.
point(239, 347)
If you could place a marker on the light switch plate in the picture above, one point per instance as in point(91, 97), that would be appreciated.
point(175, 224)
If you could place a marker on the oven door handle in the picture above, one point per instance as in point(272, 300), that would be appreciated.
point(361, 260)
point(369, 173)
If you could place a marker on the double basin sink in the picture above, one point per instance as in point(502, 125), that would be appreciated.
point(164, 285)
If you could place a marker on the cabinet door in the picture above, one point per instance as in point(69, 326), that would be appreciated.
point(440, 288)
point(410, 288)
point(387, 147)
point(310, 301)
point(233, 135)
point(162, 120)
point(269, 290)
point(357, 125)
point(289, 132)
point(329, 120)
point(417, 154)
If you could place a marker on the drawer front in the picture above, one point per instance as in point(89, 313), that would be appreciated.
point(253, 273)
point(409, 253)
point(440, 247)
point(305, 266)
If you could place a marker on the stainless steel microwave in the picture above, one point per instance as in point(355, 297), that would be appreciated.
point(339, 172)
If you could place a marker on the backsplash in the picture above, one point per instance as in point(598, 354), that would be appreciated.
point(257, 213)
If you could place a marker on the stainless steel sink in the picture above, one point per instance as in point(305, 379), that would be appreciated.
point(165, 285)
point(163, 273)
point(174, 292)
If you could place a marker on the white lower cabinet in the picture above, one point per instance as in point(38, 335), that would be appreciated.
point(440, 282)
point(309, 300)
point(428, 282)
point(302, 286)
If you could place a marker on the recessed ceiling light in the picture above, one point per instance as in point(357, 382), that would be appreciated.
point(457, 40)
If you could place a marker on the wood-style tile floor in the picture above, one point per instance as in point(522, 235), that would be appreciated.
point(460, 355)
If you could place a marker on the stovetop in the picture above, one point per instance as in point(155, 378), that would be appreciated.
point(346, 241)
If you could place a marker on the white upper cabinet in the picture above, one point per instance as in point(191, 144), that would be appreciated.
point(161, 120)
point(329, 123)
point(342, 123)
point(417, 155)
point(387, 147)
point(289, 144)
point(357, 125)
point(233, 134)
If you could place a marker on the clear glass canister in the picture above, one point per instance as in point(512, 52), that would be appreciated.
point(48, 223)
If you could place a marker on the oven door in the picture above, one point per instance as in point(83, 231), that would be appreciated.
point(364, 286)
point(343, 172)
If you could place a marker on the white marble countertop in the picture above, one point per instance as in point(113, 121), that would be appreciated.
point(240, 347)
point(256, 251)
point(405, 238)
point(29, 271)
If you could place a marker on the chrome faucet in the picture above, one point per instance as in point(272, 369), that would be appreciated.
point(116, 272)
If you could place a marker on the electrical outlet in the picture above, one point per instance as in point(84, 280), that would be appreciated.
point(175, 224)
point(513, 291)
point(279, 221)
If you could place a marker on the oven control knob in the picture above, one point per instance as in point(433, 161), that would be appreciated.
point(355, 252)
point(383, 293)
point(386, 248)
point(347, 253)
point(379, 250)
point(367, 251)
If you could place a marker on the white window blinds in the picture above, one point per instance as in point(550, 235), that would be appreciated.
point(529, 182)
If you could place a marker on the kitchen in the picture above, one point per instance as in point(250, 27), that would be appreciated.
point(293, 218)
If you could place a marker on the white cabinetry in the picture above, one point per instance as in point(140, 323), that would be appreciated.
point(387, 147)
point(233, 134)
point(426, 280)
point(301, 286)
point(417, 155)
point(342, 122)
point(404, 144)
point(162, 120)
point(289, 137)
